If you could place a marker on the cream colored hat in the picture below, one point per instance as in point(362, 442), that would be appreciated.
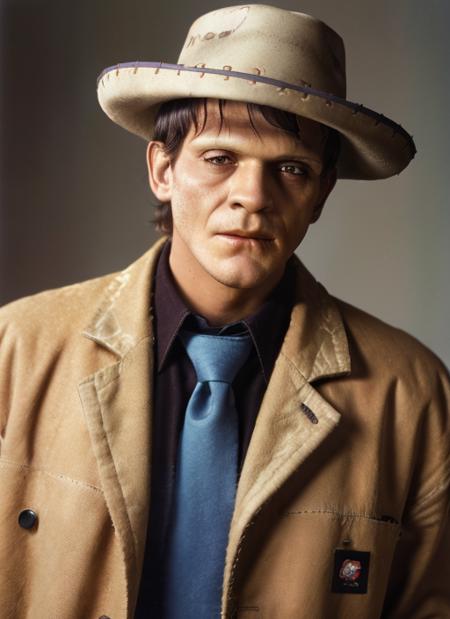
point(262, 54)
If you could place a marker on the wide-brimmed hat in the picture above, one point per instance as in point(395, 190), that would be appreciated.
point(265, 55)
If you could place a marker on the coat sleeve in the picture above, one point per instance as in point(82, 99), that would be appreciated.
point(419, 583)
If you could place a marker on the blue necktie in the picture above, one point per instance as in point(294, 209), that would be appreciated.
point(206, 479)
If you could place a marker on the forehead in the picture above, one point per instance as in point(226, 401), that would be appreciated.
point(232, 124)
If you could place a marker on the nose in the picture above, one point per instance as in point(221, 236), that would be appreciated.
point(250, 187)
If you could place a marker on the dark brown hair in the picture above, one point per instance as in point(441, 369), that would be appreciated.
point(175, 118)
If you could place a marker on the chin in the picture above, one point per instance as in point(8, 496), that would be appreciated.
point(242, 279)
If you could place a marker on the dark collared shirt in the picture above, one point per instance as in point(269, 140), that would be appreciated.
point(174, 381)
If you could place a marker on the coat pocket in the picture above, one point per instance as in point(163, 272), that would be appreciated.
point(320, 563)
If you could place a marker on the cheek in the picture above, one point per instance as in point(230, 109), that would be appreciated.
point(194, 201)
point(188, 211)
point(299, 212)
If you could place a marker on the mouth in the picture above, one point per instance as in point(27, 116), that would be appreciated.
point(246, 235)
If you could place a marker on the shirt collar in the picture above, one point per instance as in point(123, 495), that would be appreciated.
point(170, 310)
point(266, 327)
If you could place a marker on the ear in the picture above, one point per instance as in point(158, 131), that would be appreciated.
point(327, 185)
point(159, 171)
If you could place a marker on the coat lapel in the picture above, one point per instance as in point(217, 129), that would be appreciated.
point(294, 419)
point(117, 402)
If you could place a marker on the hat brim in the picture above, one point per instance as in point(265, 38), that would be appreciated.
point(372, 146)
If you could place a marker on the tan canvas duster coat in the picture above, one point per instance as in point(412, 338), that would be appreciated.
point(350, 451)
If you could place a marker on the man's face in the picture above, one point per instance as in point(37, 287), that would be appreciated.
point(242, 200)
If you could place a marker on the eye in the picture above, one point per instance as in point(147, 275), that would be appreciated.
point(294, 169)
point(218, 160)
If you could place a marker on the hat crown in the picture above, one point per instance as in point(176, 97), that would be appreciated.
point(264, 40)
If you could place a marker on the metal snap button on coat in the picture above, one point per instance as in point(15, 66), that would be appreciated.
point(27, 518)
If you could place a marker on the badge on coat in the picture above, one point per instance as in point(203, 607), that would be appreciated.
point(351, 571)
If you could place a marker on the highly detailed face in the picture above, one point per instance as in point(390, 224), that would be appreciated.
point(242, 197)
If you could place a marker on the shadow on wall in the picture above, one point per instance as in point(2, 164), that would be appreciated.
point(67, 173)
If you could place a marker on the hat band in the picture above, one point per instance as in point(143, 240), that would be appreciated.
point(356, 108)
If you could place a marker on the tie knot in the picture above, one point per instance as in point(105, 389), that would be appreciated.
point(216, 357)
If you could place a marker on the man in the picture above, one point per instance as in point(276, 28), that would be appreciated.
point(312, 480)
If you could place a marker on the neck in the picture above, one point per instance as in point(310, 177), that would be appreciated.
point(218, 303)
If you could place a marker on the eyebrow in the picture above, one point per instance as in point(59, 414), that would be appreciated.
point(234, 145)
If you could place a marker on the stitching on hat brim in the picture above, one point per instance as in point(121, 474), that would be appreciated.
point(356, 107)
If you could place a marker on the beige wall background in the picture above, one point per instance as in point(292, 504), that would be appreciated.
point(74, 196)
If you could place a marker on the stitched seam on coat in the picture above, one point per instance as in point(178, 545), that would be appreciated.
point(5, 462)
point(370, 517)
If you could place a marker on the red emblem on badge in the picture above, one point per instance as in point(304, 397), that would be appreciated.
point(350, 570)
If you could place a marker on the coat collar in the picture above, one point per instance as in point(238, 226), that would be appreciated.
point(318, 350)
point(316, 342)
point(123, 316)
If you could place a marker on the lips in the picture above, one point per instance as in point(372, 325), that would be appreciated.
point(251, 235)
